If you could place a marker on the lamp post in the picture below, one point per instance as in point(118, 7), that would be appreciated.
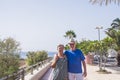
point(100, 60)
point(99, 32)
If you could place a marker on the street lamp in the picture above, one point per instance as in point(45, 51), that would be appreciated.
point(99, 32)
point(100, 60)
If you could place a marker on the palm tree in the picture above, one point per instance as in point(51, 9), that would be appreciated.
point(114, 33)
point(116, 24)
point(106, 2)
point(70, 34)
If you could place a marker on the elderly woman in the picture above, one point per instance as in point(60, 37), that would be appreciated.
point(59, 65)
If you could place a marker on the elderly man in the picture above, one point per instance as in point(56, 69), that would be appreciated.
point(75, 58)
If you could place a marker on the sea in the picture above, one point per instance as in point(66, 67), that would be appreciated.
point(23, 54)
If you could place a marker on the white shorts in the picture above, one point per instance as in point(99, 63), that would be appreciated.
point(75, 76)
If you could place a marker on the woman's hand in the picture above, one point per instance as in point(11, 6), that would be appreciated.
point(54, 61)
point(55, 57)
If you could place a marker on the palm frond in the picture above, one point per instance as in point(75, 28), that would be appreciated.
point(70, 34)
point(106, 2)
point(116, 24)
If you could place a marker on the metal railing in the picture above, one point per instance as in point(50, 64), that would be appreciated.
point(20, 75)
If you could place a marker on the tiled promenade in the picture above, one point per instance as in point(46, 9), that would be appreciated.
point(45, 77)
point(94, 75)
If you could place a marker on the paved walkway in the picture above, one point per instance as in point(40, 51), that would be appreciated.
point(45, 77)
point(94, 75)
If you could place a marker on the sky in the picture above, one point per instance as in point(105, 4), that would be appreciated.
point(41, 24)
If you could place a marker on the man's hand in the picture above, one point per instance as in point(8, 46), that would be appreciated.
point(85, 70)
point(84, 74)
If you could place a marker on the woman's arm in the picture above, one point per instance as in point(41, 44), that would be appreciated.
point(53, 64)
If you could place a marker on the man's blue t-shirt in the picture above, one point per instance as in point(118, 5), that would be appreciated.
point(74, 60)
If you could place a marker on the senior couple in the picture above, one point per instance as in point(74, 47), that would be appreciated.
point(67, 65)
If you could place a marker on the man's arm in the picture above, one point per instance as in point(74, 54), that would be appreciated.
point(85, 70)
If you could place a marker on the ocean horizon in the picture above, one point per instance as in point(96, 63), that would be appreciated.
point(23, 55)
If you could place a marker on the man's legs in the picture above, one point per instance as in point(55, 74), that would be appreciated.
point(79, 76)
point(71, 76)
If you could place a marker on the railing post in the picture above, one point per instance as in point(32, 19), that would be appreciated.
point(7, 77)
point(37, 66)
point(43, 63)
point(23, 74)
point(40, 64)
point(31, 69)
point(14, 75)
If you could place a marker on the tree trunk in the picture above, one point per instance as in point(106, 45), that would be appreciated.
point(118, 58)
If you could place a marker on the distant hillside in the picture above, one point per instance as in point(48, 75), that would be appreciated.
point(51, 54)
point(23, 54)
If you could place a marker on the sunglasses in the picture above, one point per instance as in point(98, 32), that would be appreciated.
point(71, 44)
